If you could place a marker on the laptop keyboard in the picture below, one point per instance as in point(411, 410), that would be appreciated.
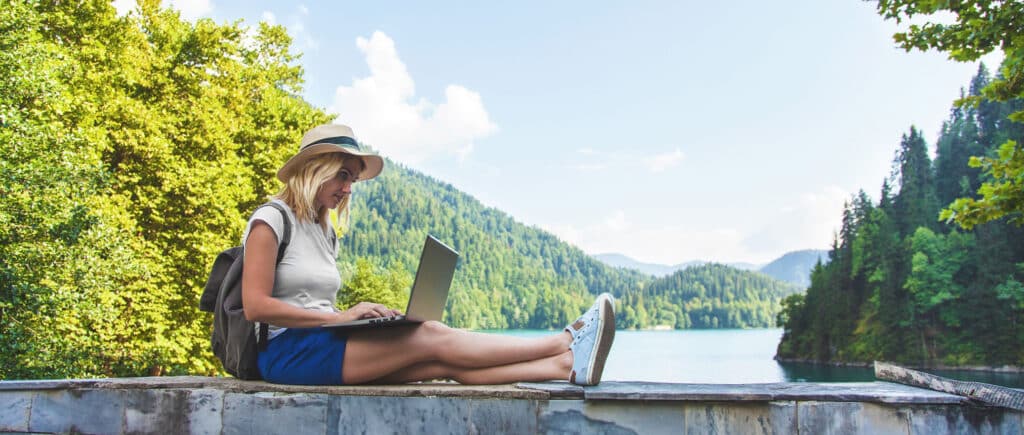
point(384, 319)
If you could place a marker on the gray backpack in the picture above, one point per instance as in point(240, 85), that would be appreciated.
point(233, 340)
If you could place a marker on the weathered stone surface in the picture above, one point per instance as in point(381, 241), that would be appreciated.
point(967, 419)
point(497, 416)
point(556, 390)
point(572, 417)
point(223, 405)
point(156, 411)
point(204, 408)
point(425, 389)
point(274, 413)
point(47, 384)
point(638, 416)
point(407, 415)
point(851, 417)
point(79, 411)
point(14, 411)
point(740, 418)
point(881, 392)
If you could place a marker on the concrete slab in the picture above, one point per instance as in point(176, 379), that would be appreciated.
point(79, 411)
point(14, 411)
point(424, 389)
point(223, 405)
point(572, 417)
point(967, 419)
point(850, 417)
point(204, 409)
point(741, 418)
point(406, 415)
point(881, 392)
point(503, 416)
point(274, 413)
point(156, 411)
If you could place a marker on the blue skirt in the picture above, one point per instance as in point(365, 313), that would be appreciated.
point(304, 356)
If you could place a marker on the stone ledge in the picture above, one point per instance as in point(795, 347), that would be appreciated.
point(875, 392)
point(426, 389)
point(201, 405)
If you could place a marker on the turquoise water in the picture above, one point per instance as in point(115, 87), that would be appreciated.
point(729, 356)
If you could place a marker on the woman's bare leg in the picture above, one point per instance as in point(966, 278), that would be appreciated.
point(544, 369)
point(375, 354)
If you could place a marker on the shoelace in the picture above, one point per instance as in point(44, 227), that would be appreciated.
point(590, 318)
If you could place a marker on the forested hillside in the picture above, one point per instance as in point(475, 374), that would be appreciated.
point(708, 296)
point(514, 276)
point(509, 275)
point(902, 285)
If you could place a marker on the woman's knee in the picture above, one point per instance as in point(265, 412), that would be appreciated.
point(436, 334)
point(435, 327)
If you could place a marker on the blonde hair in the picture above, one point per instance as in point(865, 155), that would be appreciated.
point(300, 190)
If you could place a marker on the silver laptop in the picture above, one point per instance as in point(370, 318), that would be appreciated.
point(429, 291)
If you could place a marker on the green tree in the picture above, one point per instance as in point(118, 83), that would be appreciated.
point(369, 284)
point(134, 147)
point(980, 27)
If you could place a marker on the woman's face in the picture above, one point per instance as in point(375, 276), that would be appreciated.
point(333, 191)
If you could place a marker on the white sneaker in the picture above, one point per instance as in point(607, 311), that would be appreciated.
point(592, 336)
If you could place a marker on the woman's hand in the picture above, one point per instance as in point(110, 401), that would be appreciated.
point(368, 310)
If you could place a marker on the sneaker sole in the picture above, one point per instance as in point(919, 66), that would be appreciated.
point(605, 337)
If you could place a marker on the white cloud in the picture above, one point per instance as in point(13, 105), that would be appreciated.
point(808, 222)
point(665, 245)
point(600, 160)
point(588, 167)
point(664, 161)
point(191, 10)
point(383, 110)
point(461, 154)
point(297, 29)
point(617, 221)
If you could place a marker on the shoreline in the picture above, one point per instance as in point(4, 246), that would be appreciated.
point(971, 368)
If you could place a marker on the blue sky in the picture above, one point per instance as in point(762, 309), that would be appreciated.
point(665, 131)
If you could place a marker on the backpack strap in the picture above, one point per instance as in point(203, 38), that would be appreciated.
point(287, 229)
point(264, 335)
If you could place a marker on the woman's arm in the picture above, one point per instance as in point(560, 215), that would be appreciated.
point(258, 285)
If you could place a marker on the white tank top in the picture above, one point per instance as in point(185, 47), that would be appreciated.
point(307, 276)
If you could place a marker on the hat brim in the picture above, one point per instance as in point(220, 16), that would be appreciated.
point(374, 163)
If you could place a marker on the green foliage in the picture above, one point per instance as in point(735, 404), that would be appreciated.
point(133, 148)
point(388, 287)
point(981, 26)
point(1004, 191)
point(902, 287)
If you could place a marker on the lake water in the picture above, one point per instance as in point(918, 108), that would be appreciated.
point(729, 356)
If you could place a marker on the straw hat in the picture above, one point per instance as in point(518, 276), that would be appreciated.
point(331, 138)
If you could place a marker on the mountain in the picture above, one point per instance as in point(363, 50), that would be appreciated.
point(795, 267)
point(660, 270)
point(706, 296)
point(511, 275)
point(619, 260)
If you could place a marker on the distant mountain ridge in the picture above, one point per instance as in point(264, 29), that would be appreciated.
point(512, 275)
point(662, 270)
point(793, 267)
point(796, 266)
